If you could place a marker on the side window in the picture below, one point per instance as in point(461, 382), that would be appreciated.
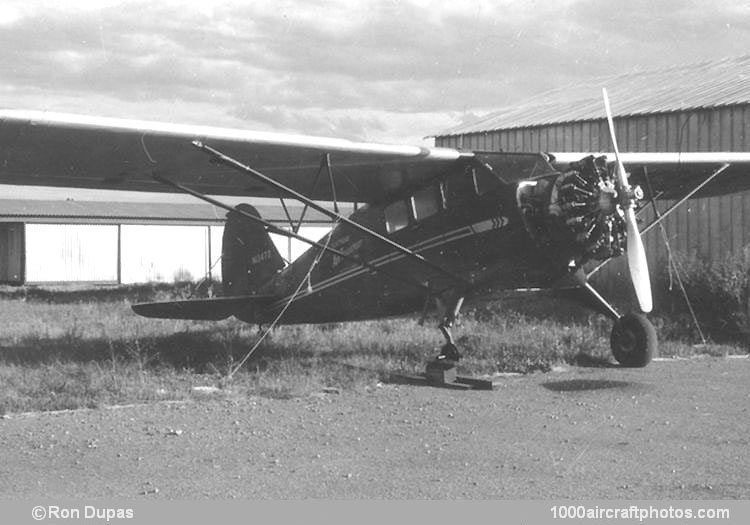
point(459, 188)
point(396, 216)
point(427, 202)
point(484, 181)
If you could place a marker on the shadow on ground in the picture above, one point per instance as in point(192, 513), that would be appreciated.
point(194, 350)
point(593, 361)
point(579, 385)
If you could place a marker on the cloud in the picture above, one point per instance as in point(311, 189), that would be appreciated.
point(357, 69)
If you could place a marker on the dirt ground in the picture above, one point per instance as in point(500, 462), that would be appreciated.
point(674, 430)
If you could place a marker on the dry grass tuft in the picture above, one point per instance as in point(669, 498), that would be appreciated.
point(95, 352)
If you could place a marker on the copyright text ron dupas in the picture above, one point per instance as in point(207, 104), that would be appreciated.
point(90, 512)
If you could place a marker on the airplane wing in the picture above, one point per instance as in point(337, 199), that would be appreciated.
point(61, 150)
point(673, 175)
point(214, 309)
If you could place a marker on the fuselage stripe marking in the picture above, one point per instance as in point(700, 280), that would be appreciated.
point(434, 242)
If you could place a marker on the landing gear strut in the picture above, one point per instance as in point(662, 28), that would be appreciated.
point(449, 351)
point(442, 370)
point(633, 337)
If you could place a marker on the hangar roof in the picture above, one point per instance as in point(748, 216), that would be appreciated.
point(694, 86)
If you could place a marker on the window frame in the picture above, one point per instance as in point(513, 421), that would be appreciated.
point(434, 197)
point(481, 189)
point(408, 213)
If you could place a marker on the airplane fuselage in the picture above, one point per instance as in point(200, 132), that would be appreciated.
point(466, 221)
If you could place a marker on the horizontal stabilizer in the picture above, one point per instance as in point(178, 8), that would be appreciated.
point(213, 309)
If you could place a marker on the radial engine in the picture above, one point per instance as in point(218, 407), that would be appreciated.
point(576, 215)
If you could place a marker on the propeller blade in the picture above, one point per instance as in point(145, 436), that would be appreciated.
point(621, 175)
point(637, 263)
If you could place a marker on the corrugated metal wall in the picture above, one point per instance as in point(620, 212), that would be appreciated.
point(148, 253)
point(88, 253)
point(718, 129)
point(71, 253)
point(709, 227)
point(158, 253)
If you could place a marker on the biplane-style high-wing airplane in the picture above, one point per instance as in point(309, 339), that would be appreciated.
point(438, 226)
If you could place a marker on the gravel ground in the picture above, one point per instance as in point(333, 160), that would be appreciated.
point(674, 430)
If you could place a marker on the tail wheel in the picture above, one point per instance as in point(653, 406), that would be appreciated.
point(633, 340)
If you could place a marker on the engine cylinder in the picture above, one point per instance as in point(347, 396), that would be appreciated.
point(576, 214)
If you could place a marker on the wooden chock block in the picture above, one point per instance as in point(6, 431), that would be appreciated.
point(441, 371)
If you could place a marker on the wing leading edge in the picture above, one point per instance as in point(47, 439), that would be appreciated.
point(673, 175)
point(62, 150)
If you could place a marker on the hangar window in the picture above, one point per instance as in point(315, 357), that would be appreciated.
point(396, 216)
point(427, 202)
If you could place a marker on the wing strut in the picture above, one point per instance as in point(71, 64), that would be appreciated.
point(686, 197)
point(670, 257)
point(324, 162)
point(220, 157)
point(327, 160)
point(275, 229)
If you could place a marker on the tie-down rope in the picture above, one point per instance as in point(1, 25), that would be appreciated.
point(304, 282)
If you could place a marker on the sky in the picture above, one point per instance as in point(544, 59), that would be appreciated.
point(391, 71)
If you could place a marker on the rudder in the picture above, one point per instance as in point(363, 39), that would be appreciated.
point(249, 258)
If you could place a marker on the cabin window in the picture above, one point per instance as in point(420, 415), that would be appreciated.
point(427, 202)
point(459, 188)
point(396, 216)
point(484, 181)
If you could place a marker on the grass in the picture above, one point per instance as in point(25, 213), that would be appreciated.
point(88, 351)
point(720, 295)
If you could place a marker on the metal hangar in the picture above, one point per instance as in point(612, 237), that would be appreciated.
point(696, 107)
point(45, 241)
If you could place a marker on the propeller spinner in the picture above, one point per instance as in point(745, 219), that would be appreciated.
point(637, 263)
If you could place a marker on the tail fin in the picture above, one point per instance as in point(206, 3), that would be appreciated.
point(249, 258)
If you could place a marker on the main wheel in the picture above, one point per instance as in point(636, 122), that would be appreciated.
point(633, 340)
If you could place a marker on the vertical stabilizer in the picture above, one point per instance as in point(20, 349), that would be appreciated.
point(249, 258)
